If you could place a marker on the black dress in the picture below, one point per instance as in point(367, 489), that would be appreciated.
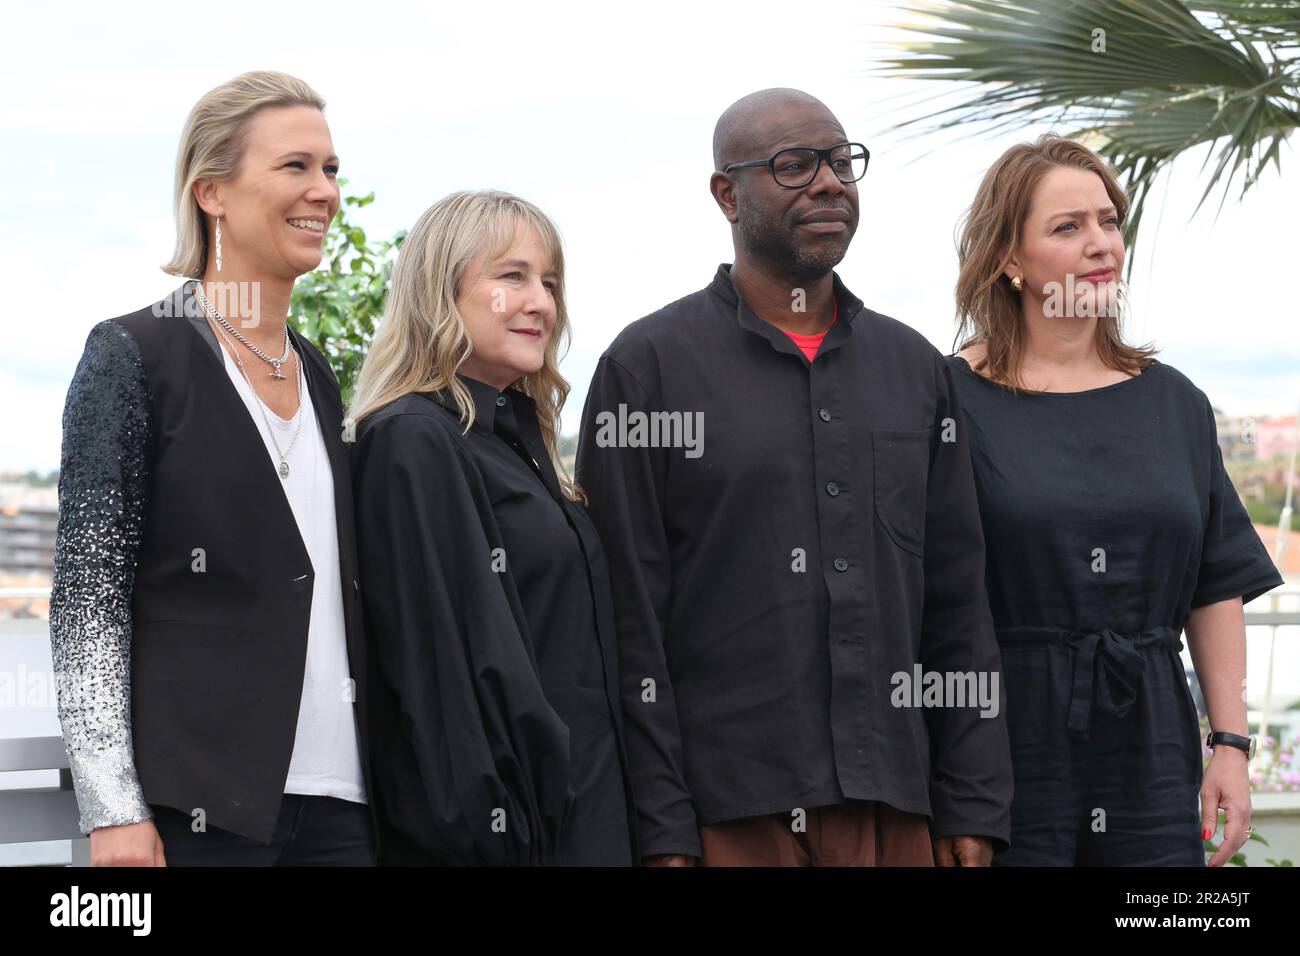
point(498, 736)
point(1108, 517)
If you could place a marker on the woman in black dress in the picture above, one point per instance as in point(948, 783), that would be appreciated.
point(1110, 528)
point(497, 729)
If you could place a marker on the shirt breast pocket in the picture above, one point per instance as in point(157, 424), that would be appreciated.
point(902, 467)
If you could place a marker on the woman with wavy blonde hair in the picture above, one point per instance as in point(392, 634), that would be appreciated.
point(1110, 528)
point(486, 592)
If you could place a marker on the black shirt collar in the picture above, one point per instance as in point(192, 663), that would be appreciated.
point(487, 401)
point(848, 305)
point(724, 287)
point(485, 398)
point(511, 416)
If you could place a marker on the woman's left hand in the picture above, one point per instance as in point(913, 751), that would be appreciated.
point(1226, 787)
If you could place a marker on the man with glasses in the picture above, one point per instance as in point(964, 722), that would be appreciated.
point(808, 666)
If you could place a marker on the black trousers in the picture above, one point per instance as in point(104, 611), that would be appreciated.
point(311, 831)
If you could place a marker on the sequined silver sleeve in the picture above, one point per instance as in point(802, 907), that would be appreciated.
point(103, 492)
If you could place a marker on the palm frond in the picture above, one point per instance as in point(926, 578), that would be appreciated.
point(1270, 21)
point(1143, 81)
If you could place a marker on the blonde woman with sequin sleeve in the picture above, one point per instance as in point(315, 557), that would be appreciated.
point(205, 619)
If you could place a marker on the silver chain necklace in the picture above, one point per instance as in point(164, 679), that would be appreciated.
point(218, 317)
point(261, 407)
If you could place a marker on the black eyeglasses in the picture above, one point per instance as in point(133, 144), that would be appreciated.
point(797, 166)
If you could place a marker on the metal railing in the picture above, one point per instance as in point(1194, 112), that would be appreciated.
point(39, 814)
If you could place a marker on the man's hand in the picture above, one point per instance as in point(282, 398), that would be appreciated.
point(669, 859)
point(134, 844)
point(963, 851)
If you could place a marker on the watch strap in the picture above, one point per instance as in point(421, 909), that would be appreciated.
point(1216, 737)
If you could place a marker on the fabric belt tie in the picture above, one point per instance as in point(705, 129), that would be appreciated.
point(1107, 666)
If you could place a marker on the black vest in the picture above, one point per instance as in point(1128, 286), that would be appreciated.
point(218, 655)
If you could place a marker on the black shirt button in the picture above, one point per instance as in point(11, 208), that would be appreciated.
point(501, 401)
point(832, 489)
point(824, 415)
point(841, 564)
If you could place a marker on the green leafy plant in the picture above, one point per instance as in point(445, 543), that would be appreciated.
point(1239, 858)
point(336, 306)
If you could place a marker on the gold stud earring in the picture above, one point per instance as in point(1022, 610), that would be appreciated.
point(1018, 284)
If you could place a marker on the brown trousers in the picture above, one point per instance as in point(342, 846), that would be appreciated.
point(853, 834)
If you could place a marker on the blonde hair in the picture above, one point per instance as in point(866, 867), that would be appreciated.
point(988, 307)
point(421, 340)
point(212, 145)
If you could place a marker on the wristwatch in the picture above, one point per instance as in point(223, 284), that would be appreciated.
point(1247, 744)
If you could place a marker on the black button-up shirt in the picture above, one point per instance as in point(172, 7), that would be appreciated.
point(815, 535)
point(487, 600)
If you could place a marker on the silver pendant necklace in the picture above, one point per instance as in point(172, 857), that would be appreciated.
point(221, 319)
point(261, 406)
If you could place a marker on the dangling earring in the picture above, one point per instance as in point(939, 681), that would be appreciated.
point(218, 243)
point(1017, 283)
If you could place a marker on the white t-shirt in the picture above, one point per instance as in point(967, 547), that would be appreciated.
point(326, 759)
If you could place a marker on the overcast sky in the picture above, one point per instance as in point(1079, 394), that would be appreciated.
point(600, 114)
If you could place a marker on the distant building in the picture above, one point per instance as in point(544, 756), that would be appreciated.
point(1236, 435)
point(27, 538)
point(1273, 437)
point(29, 517)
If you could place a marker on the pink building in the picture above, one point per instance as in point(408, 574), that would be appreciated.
point(1273, 436)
